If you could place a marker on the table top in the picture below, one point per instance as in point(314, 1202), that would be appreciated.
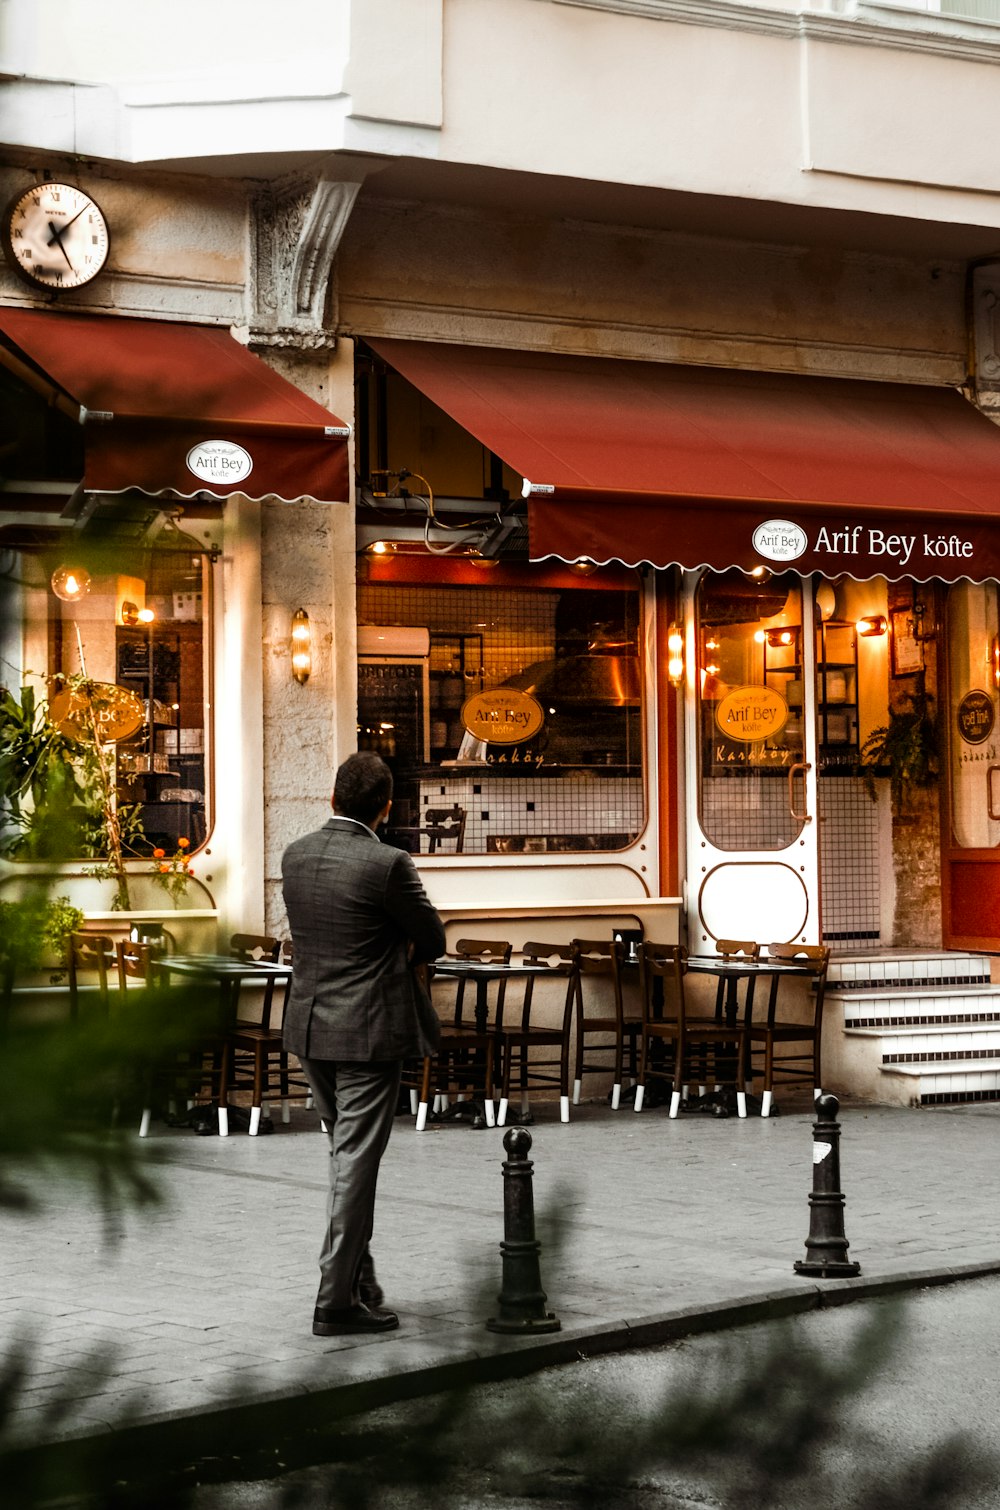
point(715, 964)
point(485, 969)
point(221, 966)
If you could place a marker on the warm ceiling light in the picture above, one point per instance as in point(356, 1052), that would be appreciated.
point(301, 646)
point(583, 566)
point(485, 563)
point(145, 616)
point(70, 583)
point(872, 624)
point(381, 548)
point(760, 635)
point(776, 638)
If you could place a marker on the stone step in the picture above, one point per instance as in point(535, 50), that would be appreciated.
point(944, 1083)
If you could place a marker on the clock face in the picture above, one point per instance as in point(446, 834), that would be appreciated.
point(55, 236)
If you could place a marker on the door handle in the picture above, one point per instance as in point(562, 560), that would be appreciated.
point(804, 767)
point(991, 810)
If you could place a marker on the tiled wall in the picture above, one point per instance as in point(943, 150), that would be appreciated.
point(537, 809)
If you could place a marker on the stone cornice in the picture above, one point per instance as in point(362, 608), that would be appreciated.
point(859, 25)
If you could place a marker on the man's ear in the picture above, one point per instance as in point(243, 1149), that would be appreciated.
point(383, 815)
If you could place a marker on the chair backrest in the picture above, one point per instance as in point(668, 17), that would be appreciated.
point(135, 962)
point(559, 957)
point(598, 956)
point(729, 948)
point(443, 825)
point(484, 949)
point(89, 954)
point(815, 955)
point(665, 963)
point(255, 946)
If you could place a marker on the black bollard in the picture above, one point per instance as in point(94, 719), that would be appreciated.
point(826, 1245)
point(522, 1299)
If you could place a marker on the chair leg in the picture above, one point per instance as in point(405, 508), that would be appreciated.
point(505, 1084)
point(256, 1107)
point(675, 1092)
point(425, 1090)
point(767, 1096)
point(488, 1107)
point(640, 1084)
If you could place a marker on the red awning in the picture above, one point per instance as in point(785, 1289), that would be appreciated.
point(694, 466)
point(178, 408)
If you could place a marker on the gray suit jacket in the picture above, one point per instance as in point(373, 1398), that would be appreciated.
point(354, 907)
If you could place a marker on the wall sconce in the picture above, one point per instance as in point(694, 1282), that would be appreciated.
point(872, 624)
point(778, 638)
point(130, 614)
point(675, 654)
point(301, 646)
point(70, 583)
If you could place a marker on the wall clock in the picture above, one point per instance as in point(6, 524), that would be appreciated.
point(55, 236)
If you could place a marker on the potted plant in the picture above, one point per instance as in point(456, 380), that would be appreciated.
point(57, 789)
point(907, 748)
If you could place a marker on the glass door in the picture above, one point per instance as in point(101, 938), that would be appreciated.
point(971, 843)
point(751, 735)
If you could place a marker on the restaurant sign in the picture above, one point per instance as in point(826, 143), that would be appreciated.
point(219, 461)
point(869, 549)
point(749, 714)
point(976, 717)
point(504, 716)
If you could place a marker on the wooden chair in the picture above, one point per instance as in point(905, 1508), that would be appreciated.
point(191, 1075)
point(465, 1058)
point(772, 1036)
point(443, 825)
point(723, 1044)
point(602, 959)
point(91, 960)
point(259, 1062)
point(517, 1045)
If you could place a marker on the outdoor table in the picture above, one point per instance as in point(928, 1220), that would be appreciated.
point(227, 975)
point(483, 972)
point(732, 970)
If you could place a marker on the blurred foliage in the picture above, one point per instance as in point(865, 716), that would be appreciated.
point(50, 786)
point(34, 930)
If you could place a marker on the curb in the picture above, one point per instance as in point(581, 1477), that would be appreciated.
point(216, 1445)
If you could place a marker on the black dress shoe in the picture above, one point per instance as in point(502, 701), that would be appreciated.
point(359, 1318)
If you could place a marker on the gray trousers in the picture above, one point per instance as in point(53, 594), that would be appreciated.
point(357, 1103)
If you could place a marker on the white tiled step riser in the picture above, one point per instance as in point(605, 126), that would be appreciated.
point(945, 1043)
point(907, 975)
point(890, 1009)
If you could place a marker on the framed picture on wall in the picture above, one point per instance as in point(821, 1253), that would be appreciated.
point(907, 650)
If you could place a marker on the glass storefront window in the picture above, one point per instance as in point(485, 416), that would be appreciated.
point(138, 634)
point(750, 729)
point(511, 715)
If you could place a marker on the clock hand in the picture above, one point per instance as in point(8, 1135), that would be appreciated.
point(56, 240)
point(58, 231)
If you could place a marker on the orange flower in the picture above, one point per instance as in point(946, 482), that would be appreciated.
point(183, 843)
point(164, 869)
point(158, 855)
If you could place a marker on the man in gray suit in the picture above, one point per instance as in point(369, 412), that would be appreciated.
point(360, 921)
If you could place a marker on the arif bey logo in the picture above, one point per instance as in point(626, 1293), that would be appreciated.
point(780, 540)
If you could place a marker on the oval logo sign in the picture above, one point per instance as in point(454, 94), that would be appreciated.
point(751, 713)
point(780, 540)
point(219, 461)
point(502, 717)
point(976, 717)
point(114, 712)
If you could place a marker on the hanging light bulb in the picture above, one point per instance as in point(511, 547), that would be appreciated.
point(70, 583)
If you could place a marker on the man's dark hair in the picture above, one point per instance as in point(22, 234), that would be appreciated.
point(363, 787)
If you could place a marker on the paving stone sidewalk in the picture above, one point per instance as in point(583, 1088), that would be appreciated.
point(207, 1298)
